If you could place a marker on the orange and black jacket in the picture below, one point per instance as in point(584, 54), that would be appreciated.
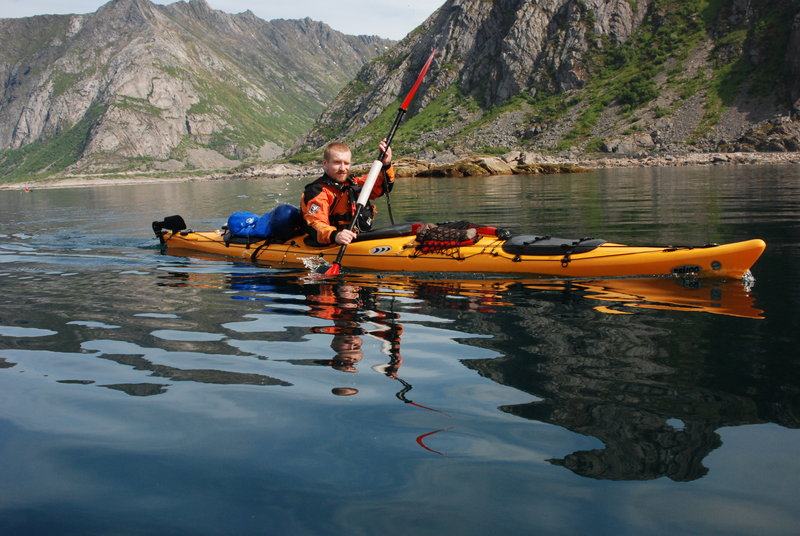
point(329, 207)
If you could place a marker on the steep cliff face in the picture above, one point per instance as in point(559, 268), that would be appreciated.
point(499, 49)
point(138, 82)
point(581, 75)
point(793, 61)
point(489, 51)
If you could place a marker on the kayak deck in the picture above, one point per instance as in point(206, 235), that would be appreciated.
point(487, 255)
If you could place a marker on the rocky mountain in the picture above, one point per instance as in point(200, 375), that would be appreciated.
point(139, 85)
point(578, 76)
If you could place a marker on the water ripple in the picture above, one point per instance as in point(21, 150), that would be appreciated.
point(16, 331)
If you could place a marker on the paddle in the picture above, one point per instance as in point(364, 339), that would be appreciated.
point(372, 176)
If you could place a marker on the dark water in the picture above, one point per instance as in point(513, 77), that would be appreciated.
point(143, 393)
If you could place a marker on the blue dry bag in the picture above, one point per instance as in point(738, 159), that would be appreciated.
point(285, 221)
point(282, 222)
point(243, 224)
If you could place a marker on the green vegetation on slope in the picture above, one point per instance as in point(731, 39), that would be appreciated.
point(43, 158)
point(250, 122)
point(625, 74)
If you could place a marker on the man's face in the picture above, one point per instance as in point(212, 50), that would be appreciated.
point(337, 166)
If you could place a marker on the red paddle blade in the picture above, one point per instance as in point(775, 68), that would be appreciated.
point(334, 269)
point(414, 88)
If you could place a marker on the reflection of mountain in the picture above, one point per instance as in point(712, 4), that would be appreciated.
point(208, 376)
point(651, 428)
point(139, 389)
point(638, 386)
point(641, 446)
point(224, 377)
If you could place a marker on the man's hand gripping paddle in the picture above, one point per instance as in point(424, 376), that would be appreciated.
point(375, 170)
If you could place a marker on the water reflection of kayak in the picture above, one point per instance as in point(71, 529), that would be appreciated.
point(398, 249)
point(615, 296)
point(730, 298)
point(493, 293)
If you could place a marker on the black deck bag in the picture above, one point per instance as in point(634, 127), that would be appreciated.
point(548, 245)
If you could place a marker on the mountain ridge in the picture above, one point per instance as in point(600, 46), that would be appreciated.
point(581, 76)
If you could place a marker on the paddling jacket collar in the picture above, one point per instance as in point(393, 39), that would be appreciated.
point(329, 206)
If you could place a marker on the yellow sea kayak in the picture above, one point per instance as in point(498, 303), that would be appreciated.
point(397, 249)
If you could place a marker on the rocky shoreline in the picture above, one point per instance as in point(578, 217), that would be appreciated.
point(529, 163)
point(443, 166)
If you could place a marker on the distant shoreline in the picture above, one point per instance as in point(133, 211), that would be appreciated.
point(83, 182)
point(283, 170)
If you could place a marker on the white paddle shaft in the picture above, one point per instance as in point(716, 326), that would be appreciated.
point(372, 176)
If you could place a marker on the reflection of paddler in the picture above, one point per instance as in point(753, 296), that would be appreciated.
point(339, 303)
point(348, 352)
point(344, 304)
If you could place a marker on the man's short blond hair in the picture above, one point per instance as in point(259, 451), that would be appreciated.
point(334, 147)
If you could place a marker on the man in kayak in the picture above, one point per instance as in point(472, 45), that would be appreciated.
point(328, 203)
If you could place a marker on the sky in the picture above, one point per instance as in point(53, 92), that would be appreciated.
point(392, 19)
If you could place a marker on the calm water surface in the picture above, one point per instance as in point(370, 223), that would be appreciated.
point(143, 393)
